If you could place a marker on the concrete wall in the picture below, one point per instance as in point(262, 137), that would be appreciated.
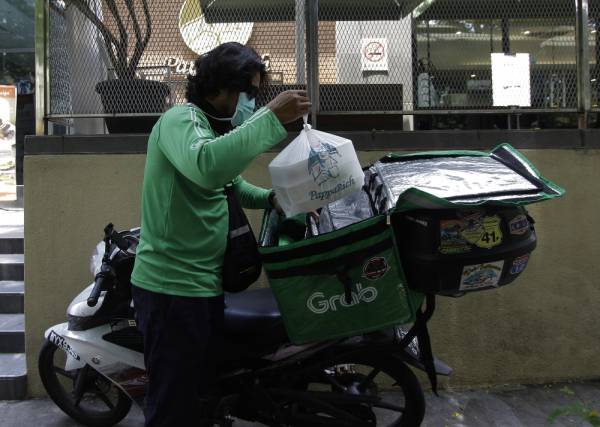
point(544, 327)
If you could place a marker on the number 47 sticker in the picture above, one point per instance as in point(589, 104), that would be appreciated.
point(492, 234)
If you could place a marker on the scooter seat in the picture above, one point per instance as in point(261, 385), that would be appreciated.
point(253, 316)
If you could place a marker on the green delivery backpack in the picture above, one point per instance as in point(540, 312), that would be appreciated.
point(342, 283)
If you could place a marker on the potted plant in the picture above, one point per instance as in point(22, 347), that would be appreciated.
point(126, 93)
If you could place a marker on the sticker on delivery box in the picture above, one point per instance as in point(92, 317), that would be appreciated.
point(519, 264)
point(481, 275)
point(519, 225)
point(451, 240)
point(484, 232)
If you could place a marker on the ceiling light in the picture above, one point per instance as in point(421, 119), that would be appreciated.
point(593, 80)
point(473, 76)
point(594, 31)
point(421, 8)
point(458, 33)
point(527, 32)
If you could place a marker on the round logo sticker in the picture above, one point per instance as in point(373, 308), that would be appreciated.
point(375, 268)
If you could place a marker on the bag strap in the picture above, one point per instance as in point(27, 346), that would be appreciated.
point(238, 222)
point(343, 277)
point(325, 267)
point(324, 247)
point(419, 330)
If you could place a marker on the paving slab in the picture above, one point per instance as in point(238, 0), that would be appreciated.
point(12, 266)
point(12, 333)
point(12, 322)
point(13, 376)
point(12, 217)
point(12, 364)
point(11, 231)
point(11, 287)
point(12, 258)
point(11, 296)
point(521, 406)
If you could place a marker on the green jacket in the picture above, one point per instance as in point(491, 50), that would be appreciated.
point(184, 209)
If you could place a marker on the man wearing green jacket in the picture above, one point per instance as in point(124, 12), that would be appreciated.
point(194, 150)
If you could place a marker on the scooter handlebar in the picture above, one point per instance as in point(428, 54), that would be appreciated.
point(96, 290)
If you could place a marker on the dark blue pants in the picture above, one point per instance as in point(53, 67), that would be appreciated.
point(182, 339)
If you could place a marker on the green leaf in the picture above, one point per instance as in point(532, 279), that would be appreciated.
point(567, 391)
point(593, 418)
point(558, 413)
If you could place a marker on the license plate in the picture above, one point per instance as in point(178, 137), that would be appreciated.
point(62, 343)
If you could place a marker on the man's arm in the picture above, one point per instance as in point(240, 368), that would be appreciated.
point(251, 196)
point(188, 142)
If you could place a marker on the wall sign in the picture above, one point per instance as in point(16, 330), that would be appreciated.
point(8, 116)
point(511, 81)
point(180, 66)
point(374, 54)
point(201, 36)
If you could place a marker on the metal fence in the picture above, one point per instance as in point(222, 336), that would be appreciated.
point(594, 53)
point(405, 57)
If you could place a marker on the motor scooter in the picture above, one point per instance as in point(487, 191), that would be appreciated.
point(92, 366)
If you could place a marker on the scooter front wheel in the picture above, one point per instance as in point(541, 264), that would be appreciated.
point(83, 394)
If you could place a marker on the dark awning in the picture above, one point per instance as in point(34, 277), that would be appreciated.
point(284, 10)
point(376, 10)
point(497, 9)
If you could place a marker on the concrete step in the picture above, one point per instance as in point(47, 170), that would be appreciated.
point(11, 239)
point(14, 204)
point(12, 333)
point(11, 266)
point(13, 376)
point(11, 296)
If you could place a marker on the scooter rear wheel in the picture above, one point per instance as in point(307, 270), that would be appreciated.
point(398, 400)
point(83, 394)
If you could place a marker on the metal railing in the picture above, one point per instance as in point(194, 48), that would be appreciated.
point(382, 57)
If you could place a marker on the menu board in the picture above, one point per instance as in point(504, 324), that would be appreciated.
point(8, 116)
point(511, 80)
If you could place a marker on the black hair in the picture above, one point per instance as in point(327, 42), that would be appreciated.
point(228, 66)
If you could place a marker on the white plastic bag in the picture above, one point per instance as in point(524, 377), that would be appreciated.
point(314, 170)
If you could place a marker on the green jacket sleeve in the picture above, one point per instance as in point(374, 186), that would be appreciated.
point(251, 196)
point(210, 161)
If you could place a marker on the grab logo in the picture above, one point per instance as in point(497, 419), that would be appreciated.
point(319, 304)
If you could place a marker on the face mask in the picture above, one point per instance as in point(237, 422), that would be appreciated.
point(243, 110)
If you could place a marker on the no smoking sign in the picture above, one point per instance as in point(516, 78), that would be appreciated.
point(374, 54)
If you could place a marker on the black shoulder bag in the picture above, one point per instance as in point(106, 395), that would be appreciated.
point(242, 264)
